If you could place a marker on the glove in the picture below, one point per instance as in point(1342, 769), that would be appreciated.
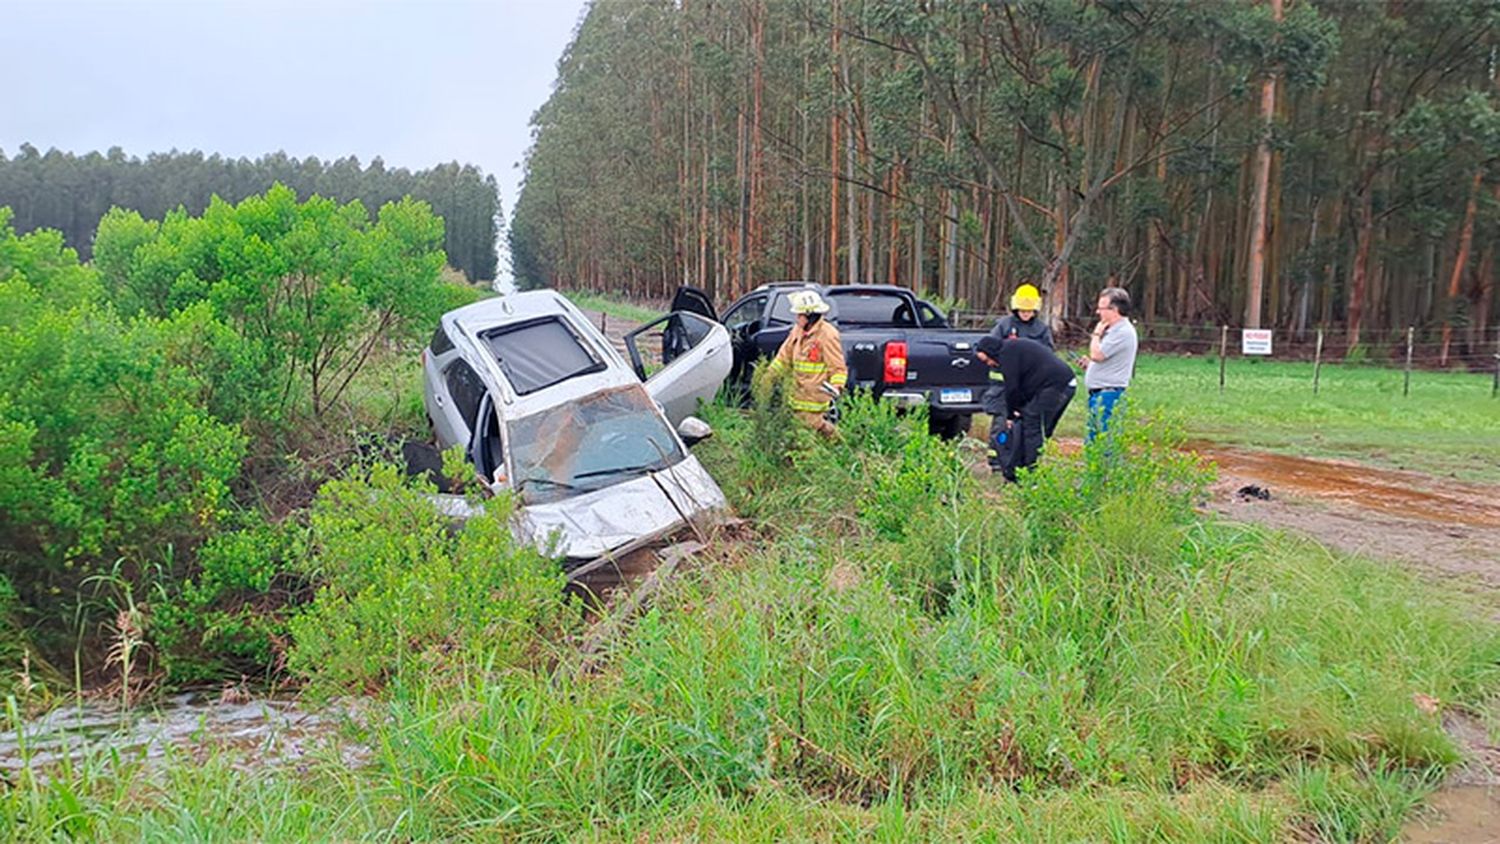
point(832, 391)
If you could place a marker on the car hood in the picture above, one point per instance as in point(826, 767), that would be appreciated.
point(597, 522)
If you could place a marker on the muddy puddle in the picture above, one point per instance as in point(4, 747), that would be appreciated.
point(1407, 495)
point(1462, 815)
point(257, 732)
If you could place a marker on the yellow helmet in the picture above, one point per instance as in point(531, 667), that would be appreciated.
point(807, 302)
point(1026, 298)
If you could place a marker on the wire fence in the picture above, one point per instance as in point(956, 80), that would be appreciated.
point(1410, 349)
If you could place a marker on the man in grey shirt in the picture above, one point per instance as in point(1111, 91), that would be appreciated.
point(1111, 358)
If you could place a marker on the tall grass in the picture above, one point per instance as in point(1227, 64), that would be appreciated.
point(898, 651)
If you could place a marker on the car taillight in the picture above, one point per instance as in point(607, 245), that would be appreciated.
point(895, 362)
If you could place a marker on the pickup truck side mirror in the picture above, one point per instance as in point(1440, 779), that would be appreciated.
point(693, 431)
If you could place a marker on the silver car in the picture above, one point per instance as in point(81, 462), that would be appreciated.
point(547, 408)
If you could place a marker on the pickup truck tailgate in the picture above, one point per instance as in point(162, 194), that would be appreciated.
point(947, 366)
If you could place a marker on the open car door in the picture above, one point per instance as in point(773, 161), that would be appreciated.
point(487, 447)
point(694, 300)
point(689, 363)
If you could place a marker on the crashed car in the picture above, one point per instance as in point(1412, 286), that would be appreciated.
point(547, 409)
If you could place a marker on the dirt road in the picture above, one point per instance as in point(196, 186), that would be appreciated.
point(1447, 530)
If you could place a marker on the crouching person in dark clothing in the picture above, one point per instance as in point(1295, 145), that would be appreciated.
point(1038, 387)
point(1001, 440)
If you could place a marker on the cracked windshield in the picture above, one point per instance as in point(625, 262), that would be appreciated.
point(590, 443)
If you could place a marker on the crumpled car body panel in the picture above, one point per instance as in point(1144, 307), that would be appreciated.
point(583, 527)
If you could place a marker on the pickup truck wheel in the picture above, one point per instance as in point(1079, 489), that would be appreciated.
point(950, 427)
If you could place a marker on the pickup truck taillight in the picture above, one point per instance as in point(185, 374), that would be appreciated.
point(895, 362)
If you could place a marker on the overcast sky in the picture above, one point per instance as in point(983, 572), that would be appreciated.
point(417, 83)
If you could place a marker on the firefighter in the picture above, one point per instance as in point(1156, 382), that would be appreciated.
point(815, 355)
point(1023, 320)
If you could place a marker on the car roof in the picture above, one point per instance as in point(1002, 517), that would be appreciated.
point(834, 289)
point(472, 321)
point(496, 311)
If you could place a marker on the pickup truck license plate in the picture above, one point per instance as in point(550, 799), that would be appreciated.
point(955, 396)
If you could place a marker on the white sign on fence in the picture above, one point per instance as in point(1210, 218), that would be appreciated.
point(1255, 341)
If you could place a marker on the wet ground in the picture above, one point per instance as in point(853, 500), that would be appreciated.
point(1409, 495)
point(258, 732)
point(1448, 531)
point(1467, 814)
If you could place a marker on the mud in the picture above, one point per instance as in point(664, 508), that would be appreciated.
point(1407, 495)
point(1463, 815)
point(1448, 531)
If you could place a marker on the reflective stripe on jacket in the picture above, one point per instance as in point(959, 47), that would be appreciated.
point(814, 356)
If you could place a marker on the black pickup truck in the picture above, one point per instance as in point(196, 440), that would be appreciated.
point(898, 346)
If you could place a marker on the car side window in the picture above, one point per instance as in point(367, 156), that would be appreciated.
point(440, 342)
point(931, 317)
point(466, 389)
point(745, 313)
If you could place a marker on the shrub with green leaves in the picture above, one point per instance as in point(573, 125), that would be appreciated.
point(313, 286)
point(107, 450)
point(402, 588)
point(229, 619)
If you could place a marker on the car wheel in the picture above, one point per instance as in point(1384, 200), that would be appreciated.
point(950, 427)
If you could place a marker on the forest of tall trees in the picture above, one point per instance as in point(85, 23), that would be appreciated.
point(1285, 163)
point(70, 193)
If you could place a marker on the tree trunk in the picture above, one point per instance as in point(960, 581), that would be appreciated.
point(1460, 262)
point(1359, 273)
point(833, 158)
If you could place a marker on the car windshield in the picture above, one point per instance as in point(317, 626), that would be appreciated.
point(590, 443)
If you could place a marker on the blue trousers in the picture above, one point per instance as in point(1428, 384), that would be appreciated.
point(1101, 408)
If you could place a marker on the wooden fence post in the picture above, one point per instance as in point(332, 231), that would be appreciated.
point(1317, 361)
point(1223, 351)
point(1406, 385)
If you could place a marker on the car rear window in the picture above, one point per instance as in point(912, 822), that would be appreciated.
point(440, 343)
point(781, 311)
point(536, 355)
point(873, 309)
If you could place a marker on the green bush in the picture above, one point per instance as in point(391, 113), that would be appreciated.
point(312, 286)
point(13, 644)
point(230, 618)
point(401, 587)
point(106, 448)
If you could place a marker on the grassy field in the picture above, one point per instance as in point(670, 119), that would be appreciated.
point(888, 649)
point(1448, 425)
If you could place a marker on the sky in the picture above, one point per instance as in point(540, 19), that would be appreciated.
point(416, 83)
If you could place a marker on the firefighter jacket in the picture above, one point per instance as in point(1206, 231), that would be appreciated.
point(814, 356)
point(993, 400)
point(1035, 328)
